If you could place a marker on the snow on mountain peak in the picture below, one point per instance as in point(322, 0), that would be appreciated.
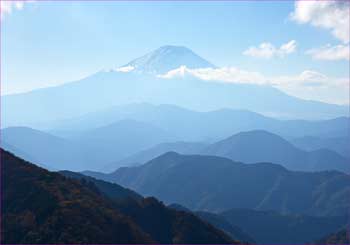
point(167, 58)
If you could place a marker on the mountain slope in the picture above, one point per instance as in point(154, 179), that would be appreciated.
point(273, 228)
point(268, 227)
point(118, 193)
point(262, 146)
point(121, 139)
point(91, 149)
point(210, 183)
point(44, 207)
point(44, 148)
point(340, 237)
point(171, 226)
point(167, 58)
point(220, 222)
point(113, 191)
point(311, 143)
point(157, 150)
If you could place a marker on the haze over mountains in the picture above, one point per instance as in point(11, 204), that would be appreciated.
point(231, 162)
point(118, 87)
point(129, 142)
point(211, 125)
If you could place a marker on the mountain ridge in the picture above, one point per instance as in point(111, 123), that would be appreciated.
point(269, 147)
point(320, 193)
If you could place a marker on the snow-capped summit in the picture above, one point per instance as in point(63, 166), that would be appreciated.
point(167, 58)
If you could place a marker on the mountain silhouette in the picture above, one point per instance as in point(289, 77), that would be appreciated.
point(157, 150)
point(337, 144)
point(263, 146)
point(209, 183)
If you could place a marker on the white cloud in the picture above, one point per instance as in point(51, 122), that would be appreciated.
point(331, 15)
point(224, 74)
point(235, 75)
point(125, 69)
point(308, 84)
point(328, 52)
point(7, 7)
point(268, 50)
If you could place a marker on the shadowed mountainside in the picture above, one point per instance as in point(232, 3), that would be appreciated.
point(210, 183)
point(268, 227)
point(45, 207)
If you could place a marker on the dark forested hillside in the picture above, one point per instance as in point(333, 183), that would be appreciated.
point(159, 221)
point(39, 206)
point(43, 207)
point(113, 191)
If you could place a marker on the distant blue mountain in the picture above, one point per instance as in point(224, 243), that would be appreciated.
point(248, 147)
point(262, 146)
point(121, 139)
point(44, 149)
point(339, 144)
point(111, 88)
point(91, 149)
point(189, 125)
point(128, 141)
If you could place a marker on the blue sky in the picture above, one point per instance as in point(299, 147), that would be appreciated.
point(47, 43)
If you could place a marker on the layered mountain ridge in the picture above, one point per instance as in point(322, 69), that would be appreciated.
point(272, 186)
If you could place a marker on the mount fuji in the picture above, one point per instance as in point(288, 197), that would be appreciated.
point(167, 58)
point(137, 82)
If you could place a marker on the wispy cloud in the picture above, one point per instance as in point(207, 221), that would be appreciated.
point(328, 52)
point(7, 7)
point(331, 15)
point(310, 84)
point(267, 50)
